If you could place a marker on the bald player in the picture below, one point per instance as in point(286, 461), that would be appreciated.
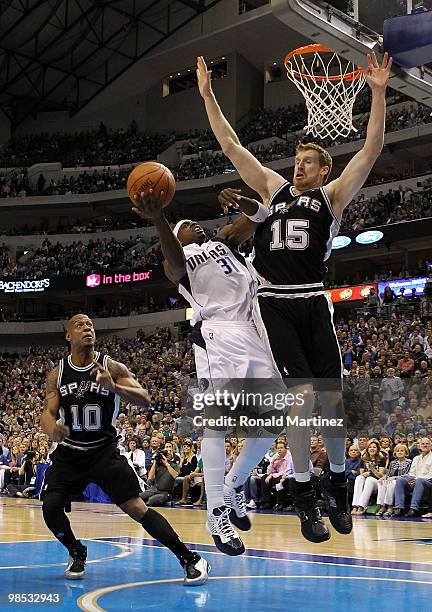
point(82, 400)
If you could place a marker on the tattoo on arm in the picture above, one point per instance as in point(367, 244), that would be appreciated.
point(118, 370)
point(51, 391)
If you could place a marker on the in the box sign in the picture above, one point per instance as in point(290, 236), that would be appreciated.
point(96, 280)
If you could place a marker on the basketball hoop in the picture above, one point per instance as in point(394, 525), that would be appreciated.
point(329, 88)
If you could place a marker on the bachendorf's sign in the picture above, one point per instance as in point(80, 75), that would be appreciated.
point(24, 286)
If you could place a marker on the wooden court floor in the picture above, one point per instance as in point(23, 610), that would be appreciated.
point(386, 559)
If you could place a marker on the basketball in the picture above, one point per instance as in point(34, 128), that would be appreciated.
point(152, 175)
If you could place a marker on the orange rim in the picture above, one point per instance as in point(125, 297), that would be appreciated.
point(318, 48)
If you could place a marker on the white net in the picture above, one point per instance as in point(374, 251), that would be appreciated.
point(329, 87)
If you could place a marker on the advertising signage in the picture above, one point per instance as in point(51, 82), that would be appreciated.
point(86, 281)
point(118, 278)
point(349, 294)
point(404, 283)
point(24, 286)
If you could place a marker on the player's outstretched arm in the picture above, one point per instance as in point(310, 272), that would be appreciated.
point(56, 431)
point(342, 190)
point(119, 380)
point(263, 180)
point(149, 206)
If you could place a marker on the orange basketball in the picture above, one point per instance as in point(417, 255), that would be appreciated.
point(152, 175)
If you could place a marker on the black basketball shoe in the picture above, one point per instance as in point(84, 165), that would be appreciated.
point(336, 496)
point(234, 498)
point(77, 560)
point(313, 527)
point(224, 535)
point(196, 570)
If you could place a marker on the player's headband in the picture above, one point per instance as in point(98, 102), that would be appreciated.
point(178, 226)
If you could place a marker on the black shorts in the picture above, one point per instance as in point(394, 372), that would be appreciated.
point(71, 471)
point(300, 335)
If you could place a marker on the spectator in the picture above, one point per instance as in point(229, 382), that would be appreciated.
point(318, 455)
point(352, 469)
point(161, 477)
point(391, 390)
point(388, 299)
point(367, 482)
point(283, 489)
point(192, 480)
point(252, 486)
point(136, 459)
point(387, 484)
point(27, 477)
point(184, 424)
point(417, 480)
point(406, 365)
point(362, 443)
point(279, 466)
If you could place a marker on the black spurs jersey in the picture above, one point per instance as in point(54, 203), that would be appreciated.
point(89, 410)
point(291, 246)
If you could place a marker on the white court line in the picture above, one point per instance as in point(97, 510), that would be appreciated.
point(88, 601)
point(125, 549)
point(384, 569)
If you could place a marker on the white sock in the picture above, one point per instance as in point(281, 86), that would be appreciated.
point(302, 476)
point(213, 456)
point(251, 454)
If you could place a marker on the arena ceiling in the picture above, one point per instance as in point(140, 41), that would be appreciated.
point(60, 54)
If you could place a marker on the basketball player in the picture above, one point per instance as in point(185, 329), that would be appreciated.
point(83, 394)
point(219, 284)
point(293, 313)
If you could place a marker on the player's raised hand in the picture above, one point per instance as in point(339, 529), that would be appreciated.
point(204, 77)
point(103, 377)
point(60, 432)
point(148, 205)
point(228, 199)
point(232, 199)
point(378, 75)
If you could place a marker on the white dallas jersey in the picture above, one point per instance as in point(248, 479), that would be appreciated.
point(219, 283)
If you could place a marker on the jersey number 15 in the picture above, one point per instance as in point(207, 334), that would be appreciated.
point(296, 236)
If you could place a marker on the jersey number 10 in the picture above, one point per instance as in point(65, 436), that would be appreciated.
point(92, 417)
point(296, 236)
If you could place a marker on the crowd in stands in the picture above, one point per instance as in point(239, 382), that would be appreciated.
point(387, 394)
point(100, 147)
point(208, 165)
point(395, 205)
point(360, 277)
point(54, 259)
point(123, 308)
point(279, 122)
point(79, 226)
point(15, 183)
point(402, 204)
point(107, 148)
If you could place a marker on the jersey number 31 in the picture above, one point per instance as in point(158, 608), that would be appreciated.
point(296, 235)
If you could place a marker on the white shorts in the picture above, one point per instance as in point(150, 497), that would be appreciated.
point(233, 349)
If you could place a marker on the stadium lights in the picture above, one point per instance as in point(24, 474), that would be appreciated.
point(369, 237)
point(339, 242)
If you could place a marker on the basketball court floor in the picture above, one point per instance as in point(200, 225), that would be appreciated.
point(384, 563)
